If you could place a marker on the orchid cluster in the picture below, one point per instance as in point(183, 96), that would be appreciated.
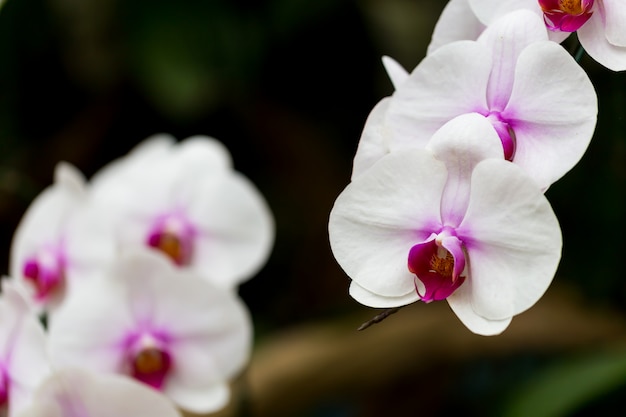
point(136, 273)
point(446, 199)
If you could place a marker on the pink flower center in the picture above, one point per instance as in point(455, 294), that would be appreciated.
point(173, 235)
point(151, 366)
point(566, 15)
point(45, 271)
point(438, 263)
point(148, 359)
point(4, 390)
point(505, 132)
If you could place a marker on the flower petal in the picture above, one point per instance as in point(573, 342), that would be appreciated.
point(209, 329)
point(457, 22)
point(593, 38)
point(41, 236)
point(397, 74)
point(89, 328)
point(151, 151)
point(449, 82)
point(461, 303)
point(73, 392)
point(512, 238)
point(236, 228)
point(615, 21)
point(23, 354)
point(380, 215)
point(206, 400)
point(202, 152)
point(489, 10)
point(373, 144)
point(553, 122)
point(371, 299)
point(71, 178)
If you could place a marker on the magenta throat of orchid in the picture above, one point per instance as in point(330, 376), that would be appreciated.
point(174, 236)
point(151, 366)
point(4, 390)
point(505, 132)
point(46, 272)
point(566, 15)
point(438, 269)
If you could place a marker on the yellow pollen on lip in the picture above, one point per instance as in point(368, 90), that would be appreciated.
point(442, 266)
point(171, 246)
point(149, 361)
point(573, 7)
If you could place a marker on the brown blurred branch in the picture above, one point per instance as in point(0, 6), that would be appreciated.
point(292, 370)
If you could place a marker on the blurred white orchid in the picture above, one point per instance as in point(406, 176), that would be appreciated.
point(73, 392)
point(186, 201)
point(162, 325)
point(49, 256)
point(23, 359)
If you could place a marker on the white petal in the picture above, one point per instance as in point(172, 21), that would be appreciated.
point(208, 331)
point(489, 10)
point(148, 153)
point(46, 217)
point(236, 228)
point(373, 144)
point(73, 392)
point(552, 120)
point(450, 82)
point(512, 238)
point(68, 175)
point(380, 215)
point(371, 299)
point(22, 348)
point(507, 37)
point(615, 21)
point(206, 400)
point(89, 327)
point(593, 38)
point(397, 74)
point(461, 303)
point(462, 143)
point(210, 328)
point(457, 22)
point(202, 153)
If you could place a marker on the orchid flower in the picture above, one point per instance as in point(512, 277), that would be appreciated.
point(73, 392)
point(161, 325)
point(537, 98)
point(48, 256)
point(599, 24)
point(23, 359)
point(452, 221)
point(184, 201)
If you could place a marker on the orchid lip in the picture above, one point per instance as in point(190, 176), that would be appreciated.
point(149, 359)
point(4, 388)
point(566, 15)
point(173, 235)
point(505, 132)
point(439, 264)
point(45, 271)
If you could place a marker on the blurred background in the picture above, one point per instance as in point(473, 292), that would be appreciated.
point(287, 85)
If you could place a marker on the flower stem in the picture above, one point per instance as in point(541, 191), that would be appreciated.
point(379, 317)
point(579, 53)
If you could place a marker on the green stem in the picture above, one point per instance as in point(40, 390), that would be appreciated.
point(579, 53)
